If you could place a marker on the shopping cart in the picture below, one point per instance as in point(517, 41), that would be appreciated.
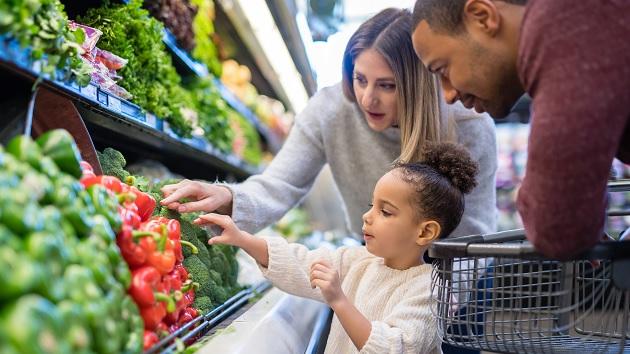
point(495, 292)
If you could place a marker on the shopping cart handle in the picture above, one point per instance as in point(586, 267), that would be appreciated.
point(622, 185)
point(512, 243)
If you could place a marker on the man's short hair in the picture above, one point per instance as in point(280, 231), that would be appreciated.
point(445, 15)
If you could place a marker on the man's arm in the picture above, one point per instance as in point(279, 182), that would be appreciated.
point(578, 78)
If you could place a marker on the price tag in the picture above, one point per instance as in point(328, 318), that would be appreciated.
point(168, 130)
point(37, 65)
point(90, 92)
point(151, 120)
point(114, 104)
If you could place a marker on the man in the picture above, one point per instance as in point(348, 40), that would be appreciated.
point(573, 58)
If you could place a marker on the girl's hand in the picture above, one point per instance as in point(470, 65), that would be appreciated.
point(324, 277)
point(231, 234)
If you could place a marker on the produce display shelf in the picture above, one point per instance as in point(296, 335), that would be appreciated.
point(203, 324)
point(117, 117)
point(185, 62)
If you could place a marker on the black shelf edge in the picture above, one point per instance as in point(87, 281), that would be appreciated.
point(121, 117)
point(203, 324)
point(195, 68)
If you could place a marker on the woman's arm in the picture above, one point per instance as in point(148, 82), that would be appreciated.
point(477, 134)
point(263, 199)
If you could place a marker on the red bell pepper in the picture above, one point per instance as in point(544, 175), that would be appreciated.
point(127, 240)
point(153, 315)
point(173, 328)
point(174, 232)
point(85, 166)
point(129, 217)
point(86, 170)
point(182, 272)
point(145, 203)
point(184, 295)
point(187, 315)
point(150, 339)
point(147, 289)
point(110, 182)
point(162, 329)
point(160, 254)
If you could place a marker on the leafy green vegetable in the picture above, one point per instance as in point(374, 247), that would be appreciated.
point(213, 113)
point(203, 28)
point(252, 151)
point(129, 31)
point(42, 25)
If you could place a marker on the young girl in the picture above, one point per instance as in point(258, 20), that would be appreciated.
point(380, 292)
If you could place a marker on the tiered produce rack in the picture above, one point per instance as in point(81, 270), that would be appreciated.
point(112, 119)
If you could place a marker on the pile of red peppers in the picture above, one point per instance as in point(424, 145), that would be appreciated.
point(152, 247)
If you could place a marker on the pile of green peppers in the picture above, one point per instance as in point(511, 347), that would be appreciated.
point(63, 281)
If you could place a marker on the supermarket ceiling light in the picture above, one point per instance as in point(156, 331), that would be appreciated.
point(272, 43)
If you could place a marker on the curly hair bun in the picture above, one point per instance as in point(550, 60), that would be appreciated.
point(452, 161)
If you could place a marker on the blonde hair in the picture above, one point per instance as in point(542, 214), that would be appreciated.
point(418, 90)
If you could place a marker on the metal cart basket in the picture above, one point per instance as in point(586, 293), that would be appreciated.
point(495, 292)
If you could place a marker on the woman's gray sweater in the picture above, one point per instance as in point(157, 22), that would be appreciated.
point(333, 130)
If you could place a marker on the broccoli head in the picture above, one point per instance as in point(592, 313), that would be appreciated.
point(219, 294)
point(203, 304)
point(113, 163)
point(198, 271)
point(216, 277)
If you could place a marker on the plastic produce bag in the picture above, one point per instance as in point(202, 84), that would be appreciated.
point(92, 35)
point(110, 60)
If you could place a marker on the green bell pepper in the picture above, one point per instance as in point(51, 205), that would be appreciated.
point(130, 315)
point(122, 273)
point(82, 289)
point(39, 186)
point(48, 167)
point(20, 274)
point(110, 330)
point(59, 145)
point(14, 166)
point(23, 148)
point(102, 230)
point(20, 214)
point(105, 204)
point(8, 180)
point(77, 331)
point(52, 218)
point(79, 217)
point(33, 325)
point(9, 240)
point(49, 249)
point(66, 190)
point(97, 263)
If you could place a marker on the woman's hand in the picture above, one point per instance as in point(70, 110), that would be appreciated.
point(324, 277)
point(206, 197)
point(231, 235)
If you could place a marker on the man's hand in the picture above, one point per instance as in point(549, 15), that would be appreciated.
point(324, 277)
point(206, 197)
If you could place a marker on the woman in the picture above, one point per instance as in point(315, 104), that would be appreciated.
point(386, 107)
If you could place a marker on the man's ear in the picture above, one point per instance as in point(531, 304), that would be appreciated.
point(482, 16)
point(428, 231)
